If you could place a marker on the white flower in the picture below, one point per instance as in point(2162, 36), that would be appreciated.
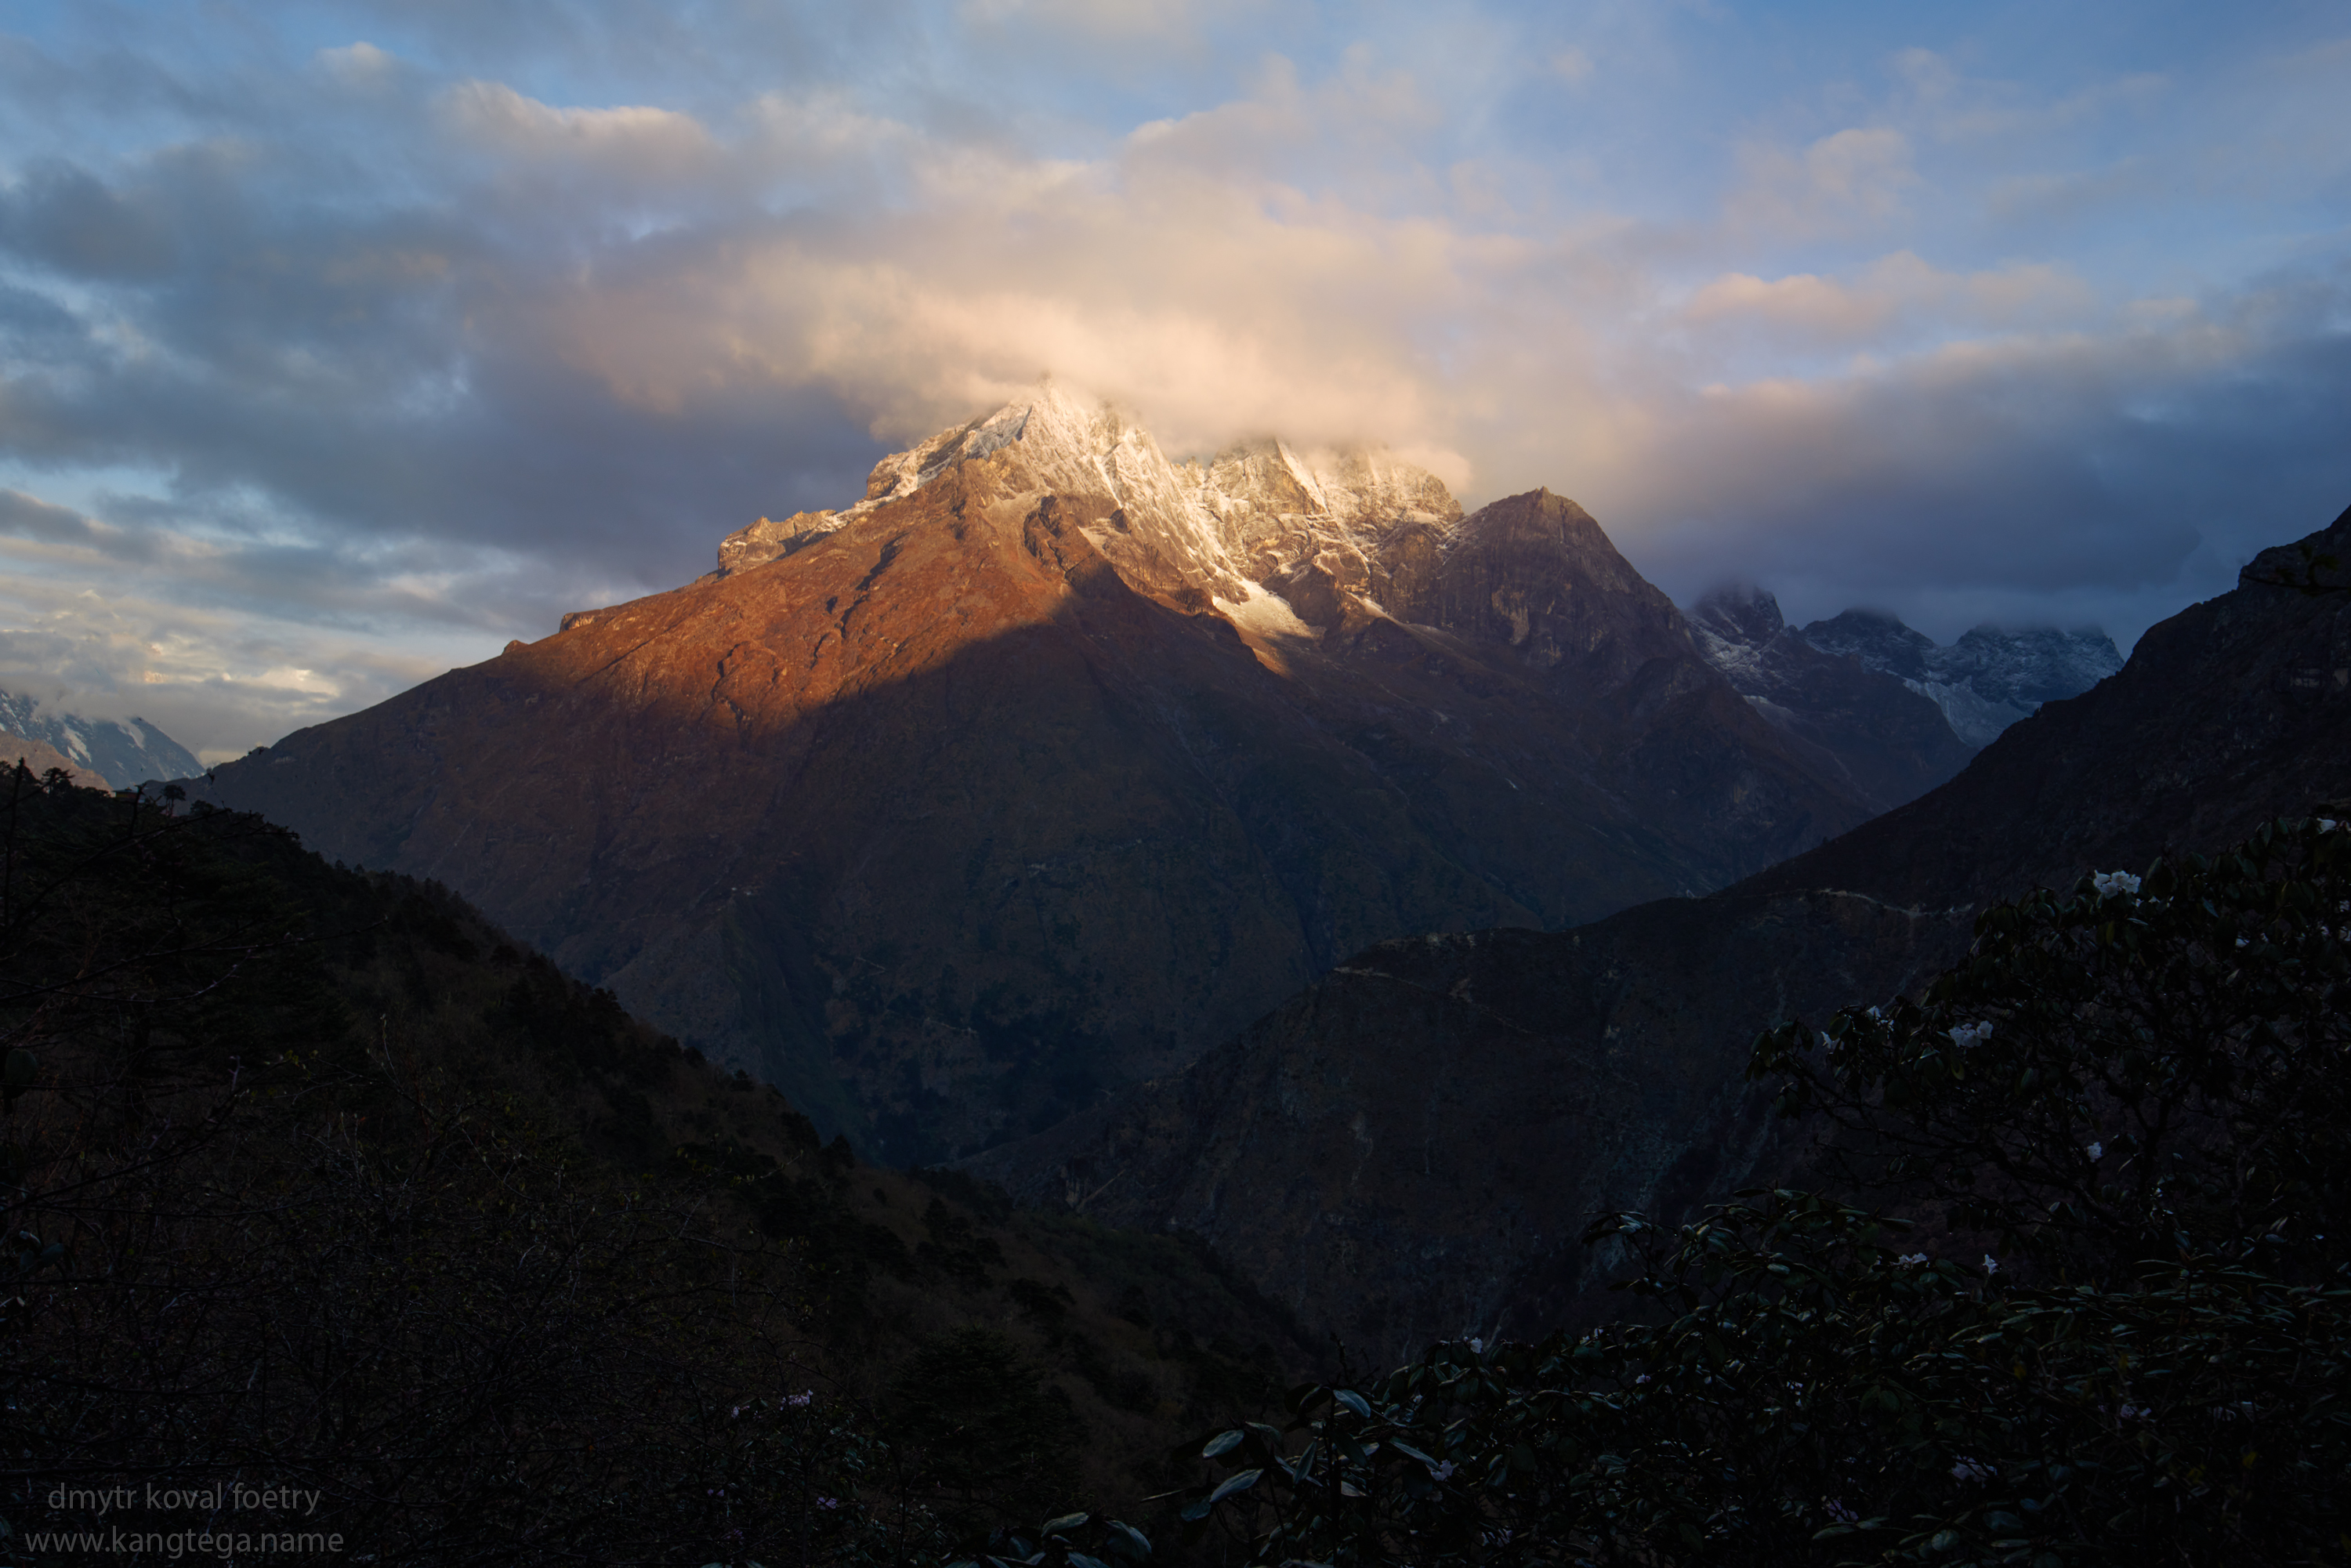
point(1968, 1036)
point(1875, 1014)
point(2327, 824)
point(1841, 1513)
point(1968, 1469)
point(799, 1399)
point(2242, 943)
point(2110, 882)
point(1444, 1470)
point(1912, 1260)
point(1476, 1347)
point(2096, 1153)
point(1991, 1264)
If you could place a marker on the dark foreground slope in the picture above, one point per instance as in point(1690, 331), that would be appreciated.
point(1410, 1148)
point(317, 1181)
point(2099, 1319)
point(947, 829)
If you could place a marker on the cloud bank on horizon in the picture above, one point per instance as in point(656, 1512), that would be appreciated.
point(341, 342)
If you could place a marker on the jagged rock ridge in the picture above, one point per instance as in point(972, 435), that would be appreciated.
point(1051, 762)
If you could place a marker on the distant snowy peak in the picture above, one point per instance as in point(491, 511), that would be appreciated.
point(1891, 742)
point(1261, 520)
point(124, 754)
point(1986, 681)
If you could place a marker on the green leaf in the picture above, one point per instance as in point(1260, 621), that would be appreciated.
point(1223, 1443)
point(1066, 1523)
point(1233, 1484)
point(1353, 1401)
point(1126, 1541)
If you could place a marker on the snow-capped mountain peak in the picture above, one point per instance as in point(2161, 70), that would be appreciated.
point(1261, 519)
point(124, 754)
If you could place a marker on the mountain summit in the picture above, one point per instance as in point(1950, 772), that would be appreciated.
point(1261, 521)
point(1050, 761)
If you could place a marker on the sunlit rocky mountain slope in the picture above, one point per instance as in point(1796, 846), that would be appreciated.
point(1051, 761)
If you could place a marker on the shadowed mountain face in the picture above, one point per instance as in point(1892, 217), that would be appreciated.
point(1410, 1148)
point(1986, 680)
point(1889, 741)
point(1052, 763)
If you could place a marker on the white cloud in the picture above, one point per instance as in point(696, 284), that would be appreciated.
point(634, 142)
point(361, 66)
point(219, 683)
point(1854, 178)
point(1815, 311)
point(405, 372)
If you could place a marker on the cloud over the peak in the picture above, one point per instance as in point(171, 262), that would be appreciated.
point(368, 336)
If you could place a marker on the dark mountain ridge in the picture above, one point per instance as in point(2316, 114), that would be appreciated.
point(317, 1173)
point(1410, 1148)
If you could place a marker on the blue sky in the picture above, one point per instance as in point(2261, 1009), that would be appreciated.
point(340, 343)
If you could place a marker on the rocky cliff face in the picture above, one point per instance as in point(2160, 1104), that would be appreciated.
point(1986, 680)
point(1410, 1147)
point(1051, 762)
point(1890, 740)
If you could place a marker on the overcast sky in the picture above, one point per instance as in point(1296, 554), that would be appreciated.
point(343, 342)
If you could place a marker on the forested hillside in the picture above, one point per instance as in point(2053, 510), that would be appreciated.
point(320, 1184)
